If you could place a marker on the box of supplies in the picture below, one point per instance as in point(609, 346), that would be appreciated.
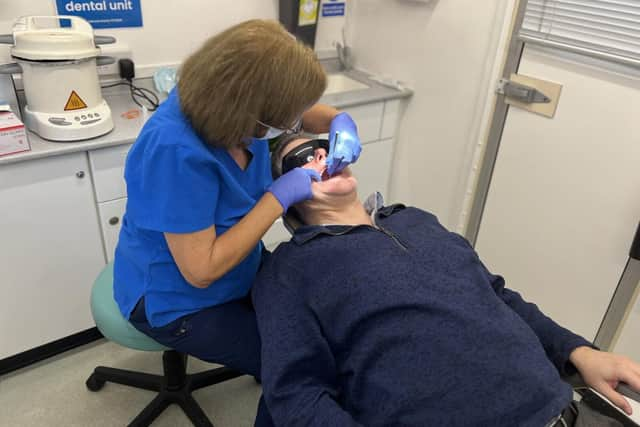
point(13, 135)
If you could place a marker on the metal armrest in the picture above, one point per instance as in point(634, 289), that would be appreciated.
point(627, 391)
point(578, 385)
point(599, 404)
point(593, 400)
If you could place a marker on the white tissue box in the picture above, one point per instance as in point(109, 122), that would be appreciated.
point(13, 135)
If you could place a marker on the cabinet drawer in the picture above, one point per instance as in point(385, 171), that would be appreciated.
point(368, 118)
point(107, 167)
point(373, 169)
point(390, 119)
point(110, 222)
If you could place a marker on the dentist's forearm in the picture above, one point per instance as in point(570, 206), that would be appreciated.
point(203, 256)
point(318, 118)
point(234, 245)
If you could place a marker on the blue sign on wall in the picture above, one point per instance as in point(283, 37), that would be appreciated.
point(104, 13)
point(333, 9)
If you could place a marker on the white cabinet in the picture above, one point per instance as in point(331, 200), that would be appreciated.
point(60, 219)
point(50, 251)
point(368, 119)
point(377, 124)
point(390, 119)
point(107, 168)
point(373, 169)
point(111, 213)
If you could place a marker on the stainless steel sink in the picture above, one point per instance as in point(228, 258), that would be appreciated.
point(340, 83)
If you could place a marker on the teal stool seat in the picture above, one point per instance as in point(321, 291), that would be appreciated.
point(110, 321)
point(174, 386)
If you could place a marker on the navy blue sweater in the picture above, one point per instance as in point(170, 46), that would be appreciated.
point(402, 326)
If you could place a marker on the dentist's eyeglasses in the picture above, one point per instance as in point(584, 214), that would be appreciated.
point(297, 126)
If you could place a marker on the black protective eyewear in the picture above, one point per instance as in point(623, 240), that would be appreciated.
point(303, 154)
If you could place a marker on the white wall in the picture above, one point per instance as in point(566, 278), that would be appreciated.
point(172, 28)
point(445, 50)
point(329, 31)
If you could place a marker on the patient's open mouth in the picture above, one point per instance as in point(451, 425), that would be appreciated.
point(325, 175)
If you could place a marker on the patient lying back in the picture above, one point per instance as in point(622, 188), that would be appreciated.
point(389, 319)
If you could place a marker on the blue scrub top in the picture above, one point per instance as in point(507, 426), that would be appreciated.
point(178, 184)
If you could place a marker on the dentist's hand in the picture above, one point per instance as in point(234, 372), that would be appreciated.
point(603, 371)
point(293, 187)
point(344, 143)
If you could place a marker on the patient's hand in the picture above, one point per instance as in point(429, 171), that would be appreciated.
point(603, 371)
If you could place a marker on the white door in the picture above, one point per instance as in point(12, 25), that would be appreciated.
point(50, 251)
point(564, 199)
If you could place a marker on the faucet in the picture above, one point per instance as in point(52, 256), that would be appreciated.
point(344, 54)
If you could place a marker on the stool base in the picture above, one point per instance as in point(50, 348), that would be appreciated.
point(175, 386)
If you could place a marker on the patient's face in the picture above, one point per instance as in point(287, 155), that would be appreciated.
point(339, 184)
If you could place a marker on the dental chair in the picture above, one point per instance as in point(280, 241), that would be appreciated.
point(174, 386)
point(599, 404)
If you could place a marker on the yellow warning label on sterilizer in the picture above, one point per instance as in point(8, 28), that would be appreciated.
point(74, 102)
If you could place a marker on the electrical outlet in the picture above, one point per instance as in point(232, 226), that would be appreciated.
point(117, 51)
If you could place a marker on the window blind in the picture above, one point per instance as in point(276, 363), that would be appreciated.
point(608, 29)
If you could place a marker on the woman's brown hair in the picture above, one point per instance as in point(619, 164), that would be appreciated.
point(252, 71)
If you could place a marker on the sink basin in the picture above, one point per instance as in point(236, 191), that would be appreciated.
point(340, 83)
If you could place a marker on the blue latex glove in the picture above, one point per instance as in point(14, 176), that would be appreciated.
point(294, 187)
point(344, 143)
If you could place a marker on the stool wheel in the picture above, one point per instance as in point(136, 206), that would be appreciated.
point(93, 383)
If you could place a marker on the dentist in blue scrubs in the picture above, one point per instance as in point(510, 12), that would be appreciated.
point(201, 197)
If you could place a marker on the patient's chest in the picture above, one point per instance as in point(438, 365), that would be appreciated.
point(421, 291)
point(415, 319)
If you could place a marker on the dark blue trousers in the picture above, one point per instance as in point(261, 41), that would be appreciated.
point(226, 334)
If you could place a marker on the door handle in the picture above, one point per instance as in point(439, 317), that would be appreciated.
point(522, 93)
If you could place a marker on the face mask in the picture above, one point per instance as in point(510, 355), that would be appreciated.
point(275, 132)
point(271, 133)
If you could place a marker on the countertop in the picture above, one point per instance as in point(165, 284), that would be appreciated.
point(126, 130)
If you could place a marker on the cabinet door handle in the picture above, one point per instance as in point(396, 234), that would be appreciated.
point(80, 174)
point(114, 220)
